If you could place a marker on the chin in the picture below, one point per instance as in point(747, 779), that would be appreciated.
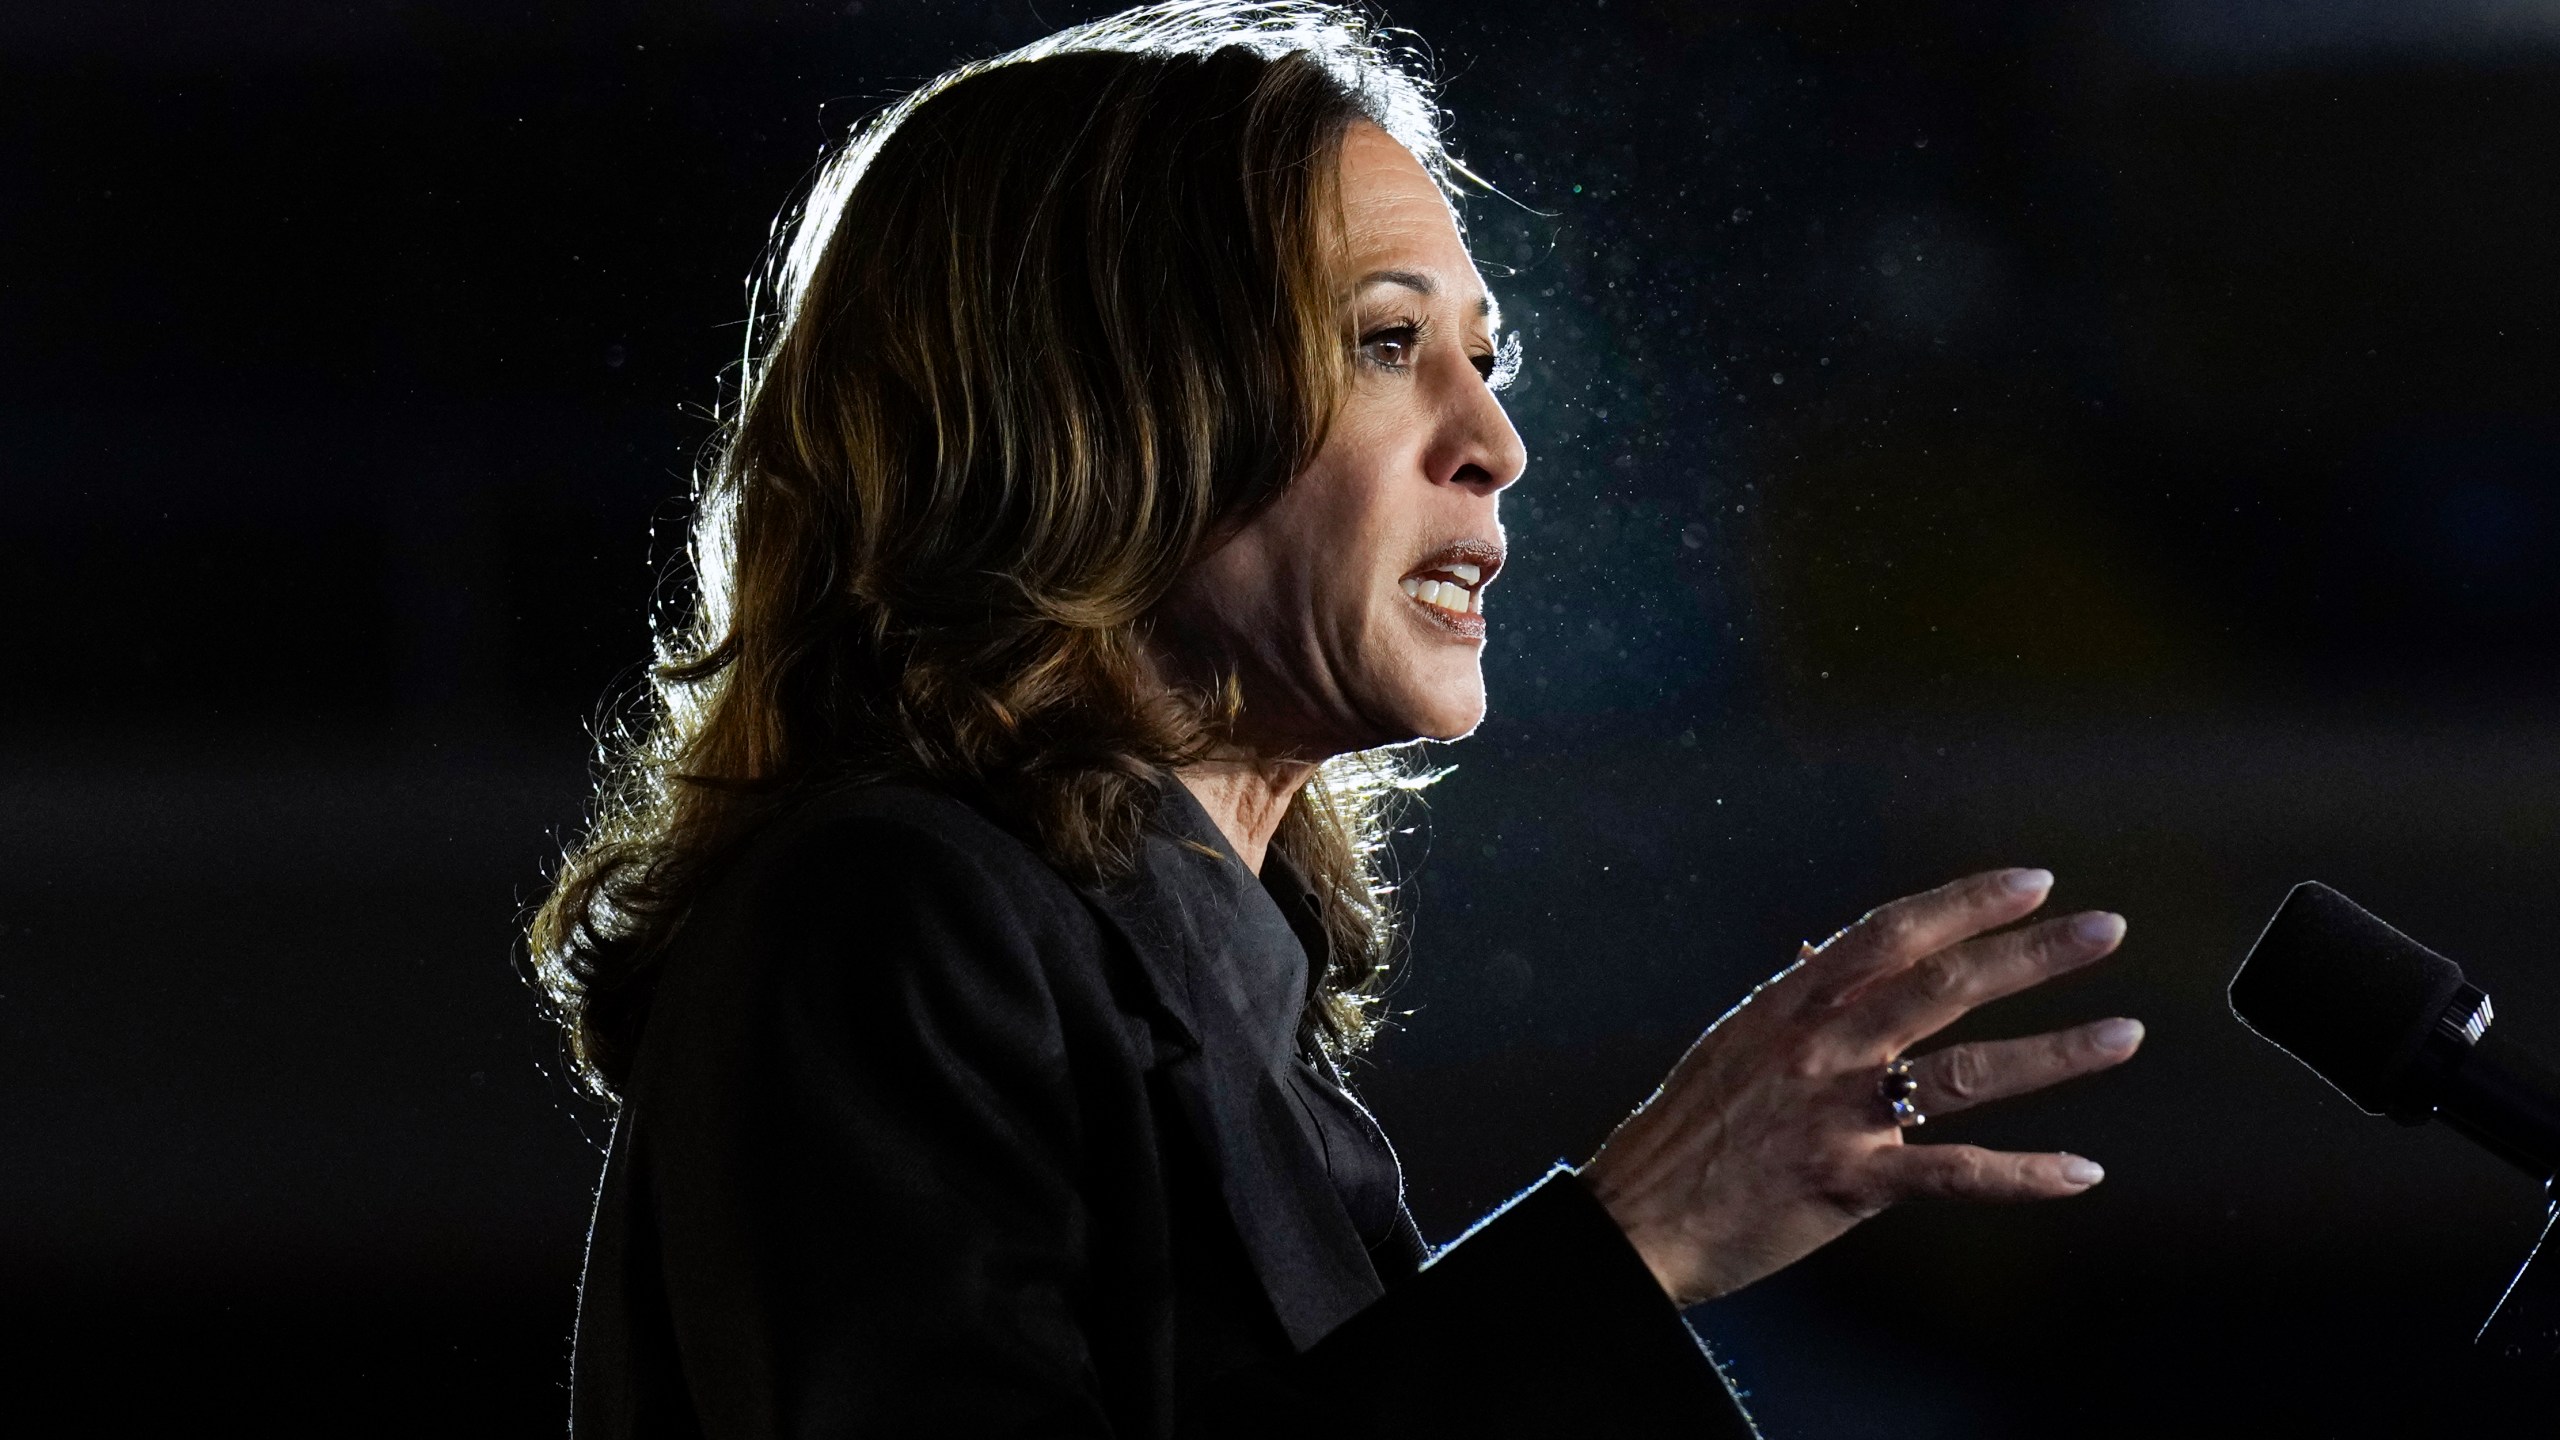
point(1434, 694)
point(1450, 732)
point(1450, 716)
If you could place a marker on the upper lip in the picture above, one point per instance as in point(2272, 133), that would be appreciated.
point(1485, 555)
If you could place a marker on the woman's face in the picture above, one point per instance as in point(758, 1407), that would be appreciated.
point(1352, 606)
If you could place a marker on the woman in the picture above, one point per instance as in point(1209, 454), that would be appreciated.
point(973, 935)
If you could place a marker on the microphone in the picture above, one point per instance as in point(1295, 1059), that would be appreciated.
point(2396, 1028)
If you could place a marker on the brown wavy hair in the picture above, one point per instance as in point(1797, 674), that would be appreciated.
point(1040, 333)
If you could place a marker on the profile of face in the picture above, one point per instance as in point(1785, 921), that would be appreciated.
point(1352, 607)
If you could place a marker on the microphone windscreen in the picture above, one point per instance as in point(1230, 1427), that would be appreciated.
point(2343, 993)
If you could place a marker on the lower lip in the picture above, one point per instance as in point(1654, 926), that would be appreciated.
point(1465, 627)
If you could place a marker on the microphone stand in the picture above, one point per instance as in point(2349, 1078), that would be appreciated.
point(2525, 1327)
point(2505, 1099)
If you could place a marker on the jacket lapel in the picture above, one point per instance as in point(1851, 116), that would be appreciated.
point(1278, 1192)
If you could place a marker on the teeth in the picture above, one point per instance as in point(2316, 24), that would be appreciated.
point(1448, 595)
point(1467, 575)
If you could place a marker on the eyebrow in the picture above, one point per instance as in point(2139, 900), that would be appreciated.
point(1424, 285)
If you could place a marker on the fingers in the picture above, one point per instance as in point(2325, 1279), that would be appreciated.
point(1969, 1172)
point(1891, 937)
point(1962, 1076)
point(1931, 993)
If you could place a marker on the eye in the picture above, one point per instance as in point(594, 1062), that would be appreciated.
point(1501, 368)
point(1394, 346)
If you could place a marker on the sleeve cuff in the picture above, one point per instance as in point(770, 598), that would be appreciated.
point(1559, 1328)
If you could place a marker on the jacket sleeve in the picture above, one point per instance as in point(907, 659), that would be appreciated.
point(1541, 1321)
point(863, 1171)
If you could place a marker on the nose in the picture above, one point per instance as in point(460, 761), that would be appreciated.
point(1477, 447)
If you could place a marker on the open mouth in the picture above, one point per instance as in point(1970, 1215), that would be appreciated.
point(1451, 583)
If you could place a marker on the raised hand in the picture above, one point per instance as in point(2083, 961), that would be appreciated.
point(1771, 1137)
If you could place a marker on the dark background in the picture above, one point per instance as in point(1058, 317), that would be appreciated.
point(2116, 437)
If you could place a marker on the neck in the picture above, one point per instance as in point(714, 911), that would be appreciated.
point(1246, 799)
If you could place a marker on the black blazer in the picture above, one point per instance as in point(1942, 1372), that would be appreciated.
point(922, 1140)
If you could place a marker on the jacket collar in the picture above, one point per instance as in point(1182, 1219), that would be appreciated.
point(1201, 928)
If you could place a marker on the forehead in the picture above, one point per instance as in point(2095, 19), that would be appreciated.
point(1395, 218)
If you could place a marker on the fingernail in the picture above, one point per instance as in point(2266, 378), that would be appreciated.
point(2117, 1034)
point(2083, 1172)
point(2098, 928)
point(2027, 882)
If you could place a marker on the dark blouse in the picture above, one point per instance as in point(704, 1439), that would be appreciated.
point(1271, 945)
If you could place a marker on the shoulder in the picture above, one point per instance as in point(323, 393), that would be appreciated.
point(891, 922)
point(875, 841)
point(895, 878)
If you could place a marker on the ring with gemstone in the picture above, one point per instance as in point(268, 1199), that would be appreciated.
point(1896, 1087)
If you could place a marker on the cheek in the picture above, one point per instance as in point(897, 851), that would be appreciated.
point(1365, 495)
point(1286, 591)
point(1343, 533)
